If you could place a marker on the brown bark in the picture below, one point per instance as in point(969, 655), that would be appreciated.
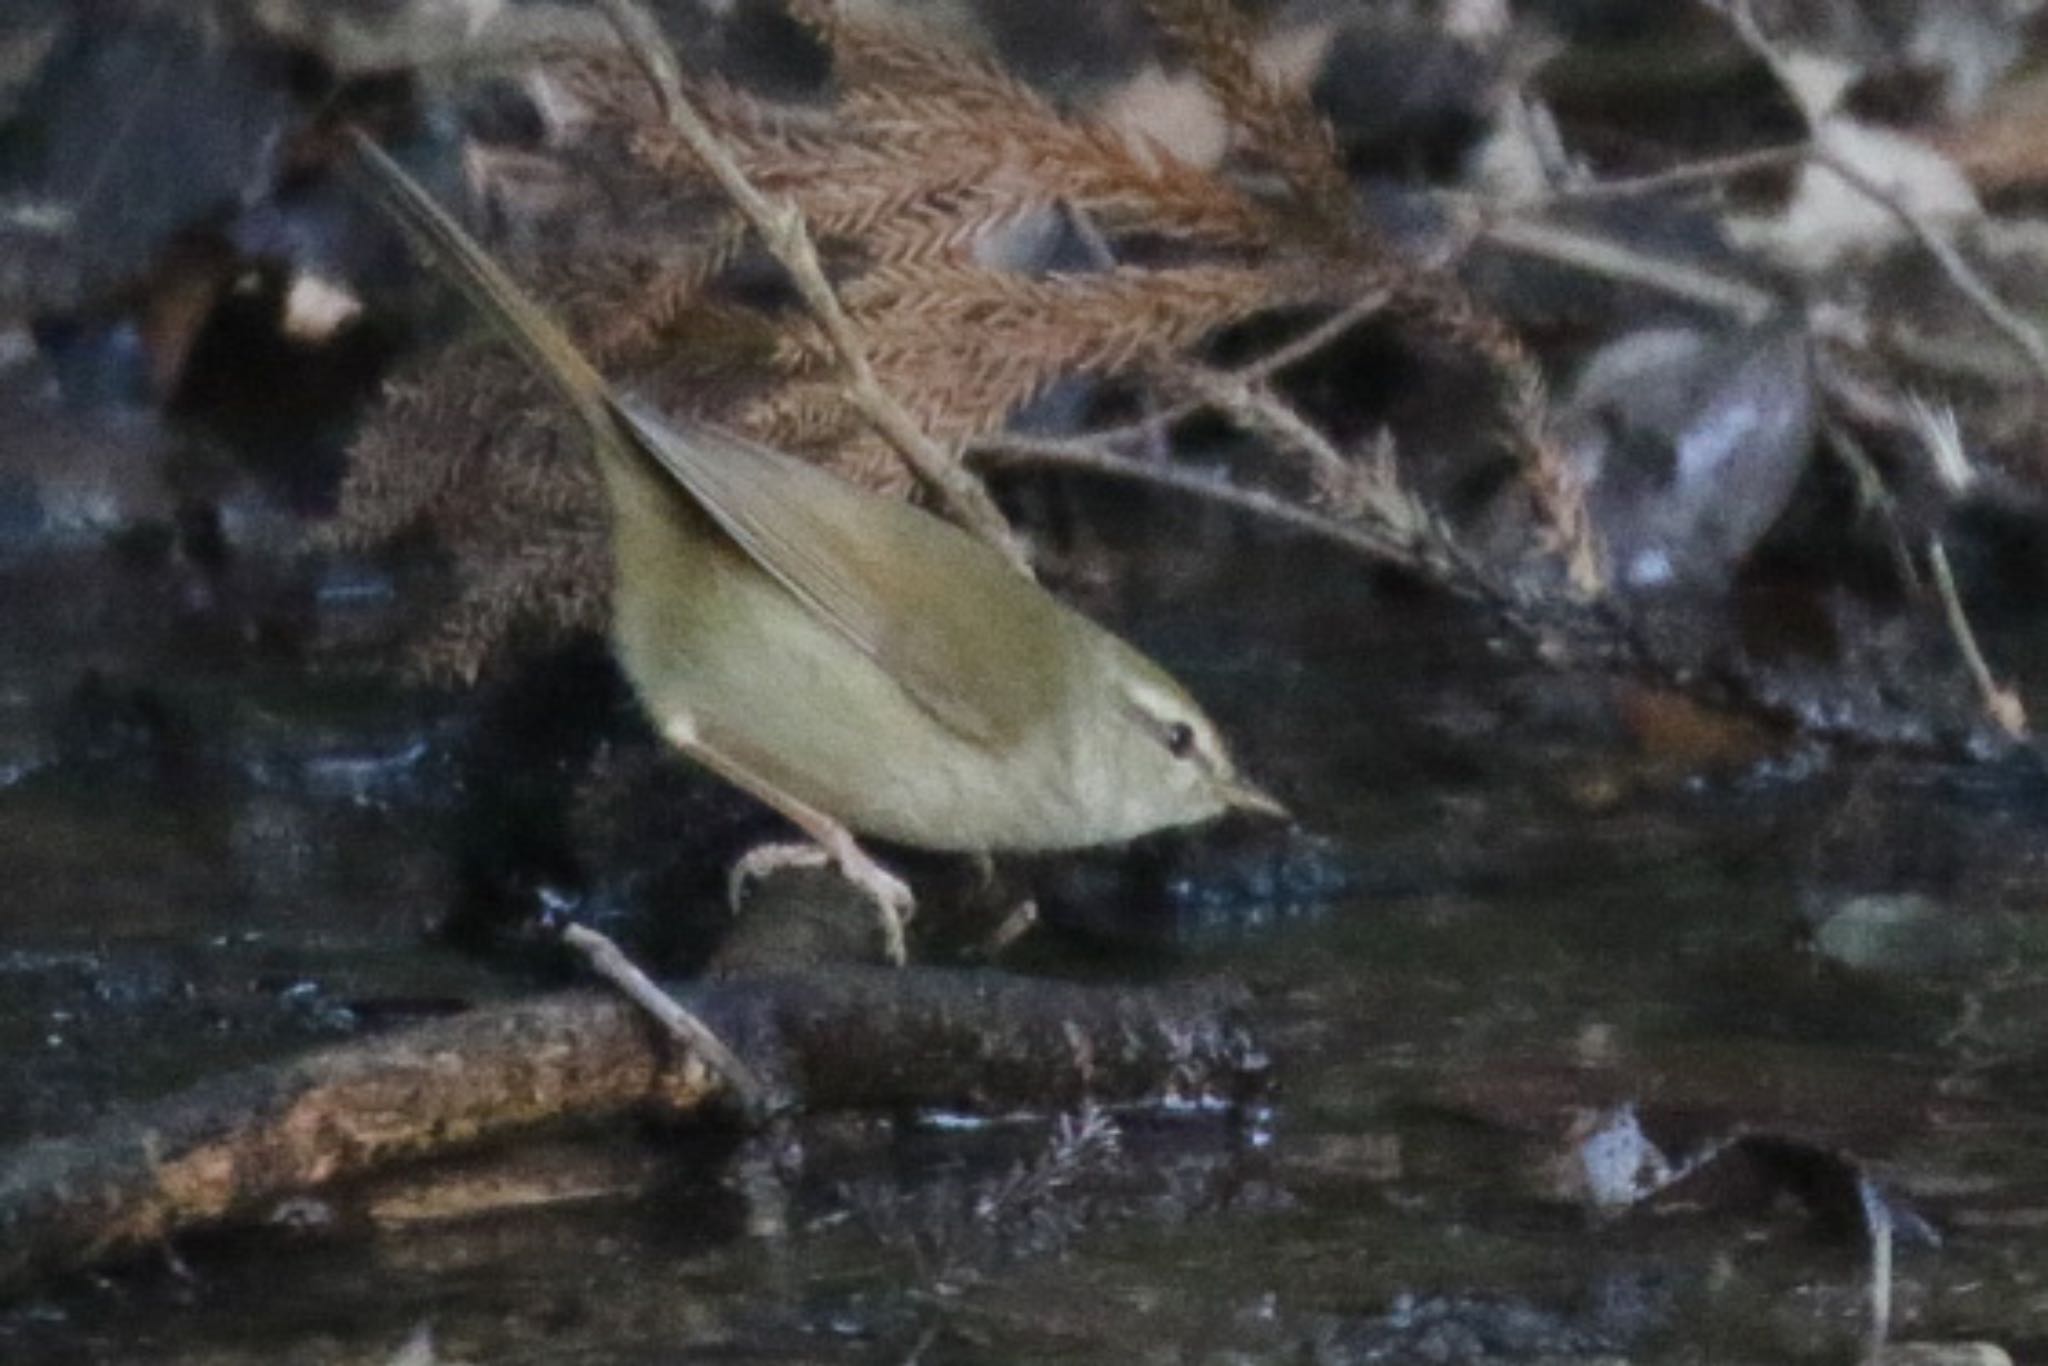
point(229, 1148)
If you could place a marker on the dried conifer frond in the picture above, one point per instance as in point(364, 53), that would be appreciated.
point(630, 306)
point(875, 51)
point(1286, 131)
point(1444, 308)
point(921, 123)
point(467, 443)
point(419, 446)
point(528, 538)
point(552, 584)
point(1281, 126)
point(924, 159)
point(1033, 157)
point(919, 98)
point(967, 346)
point(811, 416)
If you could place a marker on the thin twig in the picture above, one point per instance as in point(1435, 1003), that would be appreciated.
point(1741, 17)
point(1250, 404)
point(1399, 531)
point(1262, 367)
point(1355, 488)
point(2024, 337)
point(1876, 494)
point(1877, 1218)
point(610, 962)
point(2001, 703)
point(782, 230)
point(1709, 170)
point(1323, 334)
point(1616, 260)
point(1089, 455)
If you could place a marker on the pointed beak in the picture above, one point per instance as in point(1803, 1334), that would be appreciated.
point(1241, 794)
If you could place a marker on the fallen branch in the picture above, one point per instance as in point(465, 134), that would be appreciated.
point(229, 1149)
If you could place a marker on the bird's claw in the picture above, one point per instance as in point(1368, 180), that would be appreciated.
point(893, 898)
point(764, 861)
point(891, 895)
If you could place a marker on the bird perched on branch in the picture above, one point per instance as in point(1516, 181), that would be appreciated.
point(857, 663)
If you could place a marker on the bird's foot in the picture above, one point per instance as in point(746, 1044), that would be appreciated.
point(764, 861)
point(891, 895)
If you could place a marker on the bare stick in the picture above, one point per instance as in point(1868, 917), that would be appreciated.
point(2025, 338)
point(1710, 170)
point(1616, 260)
point(2001, 703)
point(1251, 405)
point(1877, 1217)
point(1741, 17)
point(610, 962)
point(1875, 494)
point(1262, 367)
point(781, 225)
point(1093, 456)
point(1366, 305)
point(2023, 335)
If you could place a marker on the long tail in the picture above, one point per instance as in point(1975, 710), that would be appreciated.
point(501, 300)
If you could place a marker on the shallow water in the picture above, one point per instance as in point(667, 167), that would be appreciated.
point(222, 856)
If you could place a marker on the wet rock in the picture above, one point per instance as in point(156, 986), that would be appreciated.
point(1901, 933)
point(1922, 870)
point(1615, 1163)
point(1691, 444)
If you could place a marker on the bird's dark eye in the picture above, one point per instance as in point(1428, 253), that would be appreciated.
point(1180, 739)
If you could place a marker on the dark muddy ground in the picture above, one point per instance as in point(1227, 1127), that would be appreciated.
point(216, 856)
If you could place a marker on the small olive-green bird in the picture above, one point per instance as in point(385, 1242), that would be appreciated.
point(855, 662)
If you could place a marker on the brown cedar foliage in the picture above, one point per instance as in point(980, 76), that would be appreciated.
point(925, 154)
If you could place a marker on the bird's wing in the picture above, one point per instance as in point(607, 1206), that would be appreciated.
point(840, 550)
point(975, 645)
point(435, 234)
